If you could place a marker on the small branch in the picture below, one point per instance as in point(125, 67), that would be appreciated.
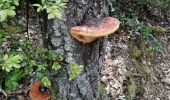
point(3, 92)
point(27, 19)
point(138, 75)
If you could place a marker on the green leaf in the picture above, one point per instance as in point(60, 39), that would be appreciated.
point(10, 12)
point(39, 9)
point(41, 67)
point(55, 7)
point(5, 57)
point(58, 1)
point(1, 5)
point(32, 63)
point(46, 82)
point(56, 66)
point(43, 2)
point(3, 15)
point(11, 81)
point(16, 2)
point(74, 70)
point(10, 62)
point(59, 15)
point(11, 85)
point(14, 59)
point(17, 65)
point(51, 15)
point(49, 9)
point(37, 5)
point(63, 5)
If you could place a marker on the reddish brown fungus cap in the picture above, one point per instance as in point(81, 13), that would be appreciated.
point(87, 34)
point(35, 94)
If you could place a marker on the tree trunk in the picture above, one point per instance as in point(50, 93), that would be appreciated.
point(86, 85)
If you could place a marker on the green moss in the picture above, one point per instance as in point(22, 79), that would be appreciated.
point(102, 88)
point(135, 90)
point(134, 51)
point(149, 55)
point(102, 92)
point(54, 93)
point(139, 92)
point(131, 87)
point(9, 28)
point(157, 30)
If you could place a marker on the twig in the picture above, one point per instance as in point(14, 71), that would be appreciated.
point(138, 75)
point(3, 92)
point(27, 19)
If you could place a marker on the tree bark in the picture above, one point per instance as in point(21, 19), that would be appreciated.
point(86, 85)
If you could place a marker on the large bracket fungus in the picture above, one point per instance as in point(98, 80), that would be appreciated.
point(39, 92)
point(88, 34)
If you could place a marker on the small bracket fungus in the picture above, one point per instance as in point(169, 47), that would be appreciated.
point(88, 34)
point(39, 92)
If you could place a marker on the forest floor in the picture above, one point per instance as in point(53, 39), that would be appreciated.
point(131, 71)
point(124, 74)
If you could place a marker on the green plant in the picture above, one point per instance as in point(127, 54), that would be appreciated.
point(148, 33)
point(10, 62)
point(46, 82)
point(54, 9)
point(56, 66)
point(18, 57)
point(7, 8)
point(164, 4)
point(74, 70)
point(12, 78)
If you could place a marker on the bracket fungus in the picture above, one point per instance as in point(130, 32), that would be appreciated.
point(39, 92)
point(87, 34)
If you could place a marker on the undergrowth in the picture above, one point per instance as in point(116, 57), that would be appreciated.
point(133, 15)
point(19, 58)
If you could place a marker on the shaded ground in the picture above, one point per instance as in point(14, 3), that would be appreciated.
point(143, 78)
point(119, 62)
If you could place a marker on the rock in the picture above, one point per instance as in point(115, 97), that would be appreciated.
point(166, 80)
